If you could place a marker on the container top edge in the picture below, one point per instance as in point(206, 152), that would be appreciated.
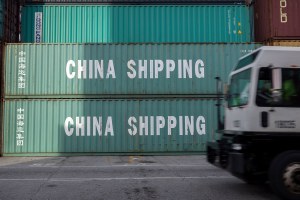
point(158, 43)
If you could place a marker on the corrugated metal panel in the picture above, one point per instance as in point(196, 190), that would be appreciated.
point(49, 126)
point(1, 98)
point(52, 69)
point(2, 15)
point(287, 43)
point(135, 24)
point(141, 1)
point(277, 19)
point(9, 20)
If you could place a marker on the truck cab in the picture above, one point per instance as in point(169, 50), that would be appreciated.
point(261, 136)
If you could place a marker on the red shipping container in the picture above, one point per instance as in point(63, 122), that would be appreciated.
point(277, 19)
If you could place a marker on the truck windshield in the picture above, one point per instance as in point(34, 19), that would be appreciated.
point(239, 89)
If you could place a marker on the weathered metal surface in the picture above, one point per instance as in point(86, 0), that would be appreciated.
point(9, 20)
point(1, 98)
point(45, 70)
point(2, 16)
point(108, 126)
point(135, 23)
point(287, 43)
point(277, 19)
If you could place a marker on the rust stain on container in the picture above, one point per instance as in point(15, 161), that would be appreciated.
point(277, 19)
point(286, 43)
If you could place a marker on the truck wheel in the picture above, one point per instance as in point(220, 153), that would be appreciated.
point(284, 175)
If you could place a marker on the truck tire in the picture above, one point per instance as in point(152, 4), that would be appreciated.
point(284, 175)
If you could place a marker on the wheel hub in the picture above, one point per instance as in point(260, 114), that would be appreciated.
point(291, 177)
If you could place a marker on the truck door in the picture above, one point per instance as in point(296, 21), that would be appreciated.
point(279, 114)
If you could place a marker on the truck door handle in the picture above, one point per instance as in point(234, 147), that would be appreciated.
point(264, 119)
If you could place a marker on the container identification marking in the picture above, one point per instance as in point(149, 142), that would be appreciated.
point(38, 27)
point(20, 126)
point(283, 15)
point(22, 70)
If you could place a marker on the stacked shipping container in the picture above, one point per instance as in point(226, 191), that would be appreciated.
point(136, 23)
point(9, 32)
point(144, 84)
point(277, 22)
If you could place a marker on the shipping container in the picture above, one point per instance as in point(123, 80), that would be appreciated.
point(10, 20)
point(135, 24)
point(2, 16)
point(286, 43)
point(95, 70)
point(140, 1)
point(277, 19)
point(34, 127)
point(1, 97)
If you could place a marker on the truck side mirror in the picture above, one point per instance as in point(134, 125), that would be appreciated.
point(276, 96)
point(226, 91)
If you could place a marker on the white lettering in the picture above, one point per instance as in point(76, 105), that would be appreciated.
point(283, 15)
point(189, 125)
point(88, 126)
point(143, 125)
point(68, 131)
point(70, 64)
point(180, 125)
point(199, 71)
point(131, 121)
point(97, 126)
point(109, 127)
point(152, 125)
point(158, 67)
point(79, 126)
point(151, 69)
point(111, 69)
point(170, 67)
point(84, 126)
point(187, 67)
point(131, 64)
point(200, 125)
point(183, 125)
point(81, 69)
point(142, 69)
point(95, 68)
point(171, 124)
point(99, 69)
point(179, 68)
point(160, 123)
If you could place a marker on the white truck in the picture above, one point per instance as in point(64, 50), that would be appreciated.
point(260, 138)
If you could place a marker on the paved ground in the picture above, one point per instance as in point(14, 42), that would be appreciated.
point(122, 177)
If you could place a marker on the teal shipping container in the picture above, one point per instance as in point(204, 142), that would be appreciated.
point(136, 23)
point(54, 127)
point(97, 70)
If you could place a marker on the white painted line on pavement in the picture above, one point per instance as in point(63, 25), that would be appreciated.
point(120, 179)
point(101, 166)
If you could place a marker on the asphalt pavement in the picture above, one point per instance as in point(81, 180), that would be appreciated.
point(122, 177)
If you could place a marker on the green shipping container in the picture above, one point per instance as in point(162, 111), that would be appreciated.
point(97, 70)
point(54, 127)
point(136, 23)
